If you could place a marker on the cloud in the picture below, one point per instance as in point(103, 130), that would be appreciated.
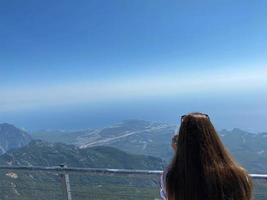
point(123, 88)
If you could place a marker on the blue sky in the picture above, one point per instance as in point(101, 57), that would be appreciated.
point(66, 64)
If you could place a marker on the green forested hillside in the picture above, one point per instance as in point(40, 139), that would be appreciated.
point(32, 185)
point(39, 153)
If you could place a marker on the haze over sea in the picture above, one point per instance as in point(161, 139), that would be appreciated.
point(91, 63)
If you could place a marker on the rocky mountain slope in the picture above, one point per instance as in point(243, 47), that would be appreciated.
point(12, 138)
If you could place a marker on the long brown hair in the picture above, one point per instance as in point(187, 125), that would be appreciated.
point(202, 169)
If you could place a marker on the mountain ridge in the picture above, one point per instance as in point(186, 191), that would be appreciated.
point(40, 153)
point(12, 137)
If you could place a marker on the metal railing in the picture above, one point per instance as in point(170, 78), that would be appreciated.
point(64, 183)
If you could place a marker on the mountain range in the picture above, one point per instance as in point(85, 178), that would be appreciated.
point(130, 136)
point(131, 144)
point(152, 138)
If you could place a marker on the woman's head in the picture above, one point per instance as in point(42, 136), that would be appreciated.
point(198, 141)
point(202, 168)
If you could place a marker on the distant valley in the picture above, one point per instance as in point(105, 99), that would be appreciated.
point(152, 138)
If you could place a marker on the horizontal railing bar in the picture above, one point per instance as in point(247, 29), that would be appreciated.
point(77, 169)
point(263, 176)
point(98, 170)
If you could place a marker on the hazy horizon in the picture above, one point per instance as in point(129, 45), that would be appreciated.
point(92, 63)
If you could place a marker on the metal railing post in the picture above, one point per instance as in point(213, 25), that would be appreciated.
point(65, 179)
